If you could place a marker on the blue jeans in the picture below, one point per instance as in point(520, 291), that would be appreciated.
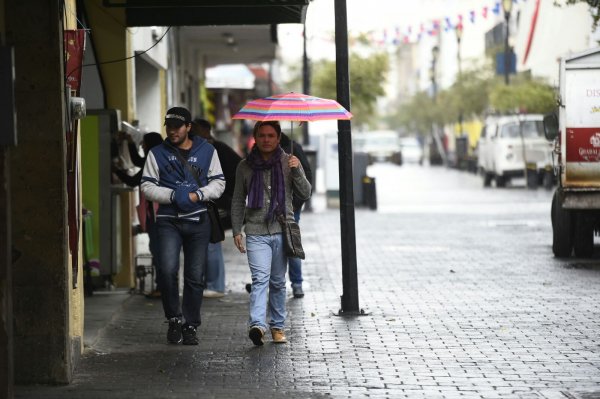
point(267, 263)
point(295, 264)
point(174, 234)
point(215, 268)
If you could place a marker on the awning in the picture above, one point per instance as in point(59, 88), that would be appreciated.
point(210, 12)
point(235, 76)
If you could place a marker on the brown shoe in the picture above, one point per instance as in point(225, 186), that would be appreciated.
point(278, 336)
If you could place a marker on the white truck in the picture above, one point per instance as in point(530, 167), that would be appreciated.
point(575, 208)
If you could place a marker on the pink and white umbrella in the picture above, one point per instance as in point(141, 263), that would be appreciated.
point(293, 107)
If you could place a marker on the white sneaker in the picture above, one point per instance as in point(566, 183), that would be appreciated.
point(213, 294)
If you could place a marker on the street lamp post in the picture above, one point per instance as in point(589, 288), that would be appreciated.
point(507, 6)
point(305, 83)
point(435, 52)
point(459, 32)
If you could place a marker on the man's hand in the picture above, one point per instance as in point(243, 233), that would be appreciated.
point(239, 243)
point(293, 162)
point(194, 197)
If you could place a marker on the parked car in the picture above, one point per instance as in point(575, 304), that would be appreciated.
point(412, 150)
point(380, 145)
point(509, 145)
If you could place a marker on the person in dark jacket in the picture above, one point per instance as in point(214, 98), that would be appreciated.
point(182, 175)
point(295, 264)
point(215, 264)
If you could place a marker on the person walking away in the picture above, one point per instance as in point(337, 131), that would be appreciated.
point(263, 190)
point(147, 217)
point(170, 178)
point(215, 264)
point(295, 264)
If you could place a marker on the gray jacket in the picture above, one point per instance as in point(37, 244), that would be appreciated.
point(255, 218)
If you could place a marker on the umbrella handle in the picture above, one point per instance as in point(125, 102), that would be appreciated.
point(292, 138)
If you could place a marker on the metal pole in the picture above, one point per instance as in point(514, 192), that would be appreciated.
point(506, 50)
point(348, 234)
point(270, 79)
point(459, 61)
point(523, 150)
point(305, 85)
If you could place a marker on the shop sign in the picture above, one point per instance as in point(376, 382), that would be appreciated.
point(74, 48)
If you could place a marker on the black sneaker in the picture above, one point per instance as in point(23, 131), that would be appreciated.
point(189, 335)
point(256, 334)
point(174, 333)
point(298, 292)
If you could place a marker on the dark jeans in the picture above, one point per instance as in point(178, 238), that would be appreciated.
point(295, 264)
point(174, 234)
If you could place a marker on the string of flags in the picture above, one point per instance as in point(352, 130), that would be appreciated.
point(415, 32)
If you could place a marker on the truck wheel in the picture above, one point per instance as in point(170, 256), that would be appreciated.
point(584, 237)
point(562, 231)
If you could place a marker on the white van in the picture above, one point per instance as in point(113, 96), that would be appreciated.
point(380, 145)
point(510, 144)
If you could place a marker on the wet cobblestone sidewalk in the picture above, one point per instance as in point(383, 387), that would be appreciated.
point(460, 304)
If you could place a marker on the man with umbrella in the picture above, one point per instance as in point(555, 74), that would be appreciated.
point(266, 179)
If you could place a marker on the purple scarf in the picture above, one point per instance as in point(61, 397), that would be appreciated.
point(256, 190)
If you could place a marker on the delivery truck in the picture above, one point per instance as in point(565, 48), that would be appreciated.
point(575, 130)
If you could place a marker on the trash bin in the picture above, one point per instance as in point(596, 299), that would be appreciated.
point(361, 161)
point(369, 192)
point(462, 147)
point(532, 175)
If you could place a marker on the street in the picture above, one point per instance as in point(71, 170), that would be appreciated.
point(462, 293)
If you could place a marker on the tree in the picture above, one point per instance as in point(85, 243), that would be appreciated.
point(528, 96)
point(474, 94)
point(467, 97)
point(367, 76)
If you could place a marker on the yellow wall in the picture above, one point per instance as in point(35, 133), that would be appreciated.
point(112, 42)
point(76, 299)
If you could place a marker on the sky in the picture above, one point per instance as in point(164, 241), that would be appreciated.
point(363, 16)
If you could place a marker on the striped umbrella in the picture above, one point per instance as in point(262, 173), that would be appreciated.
point(293, 107)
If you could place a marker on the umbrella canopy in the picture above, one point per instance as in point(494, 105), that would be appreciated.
point(292, 107)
